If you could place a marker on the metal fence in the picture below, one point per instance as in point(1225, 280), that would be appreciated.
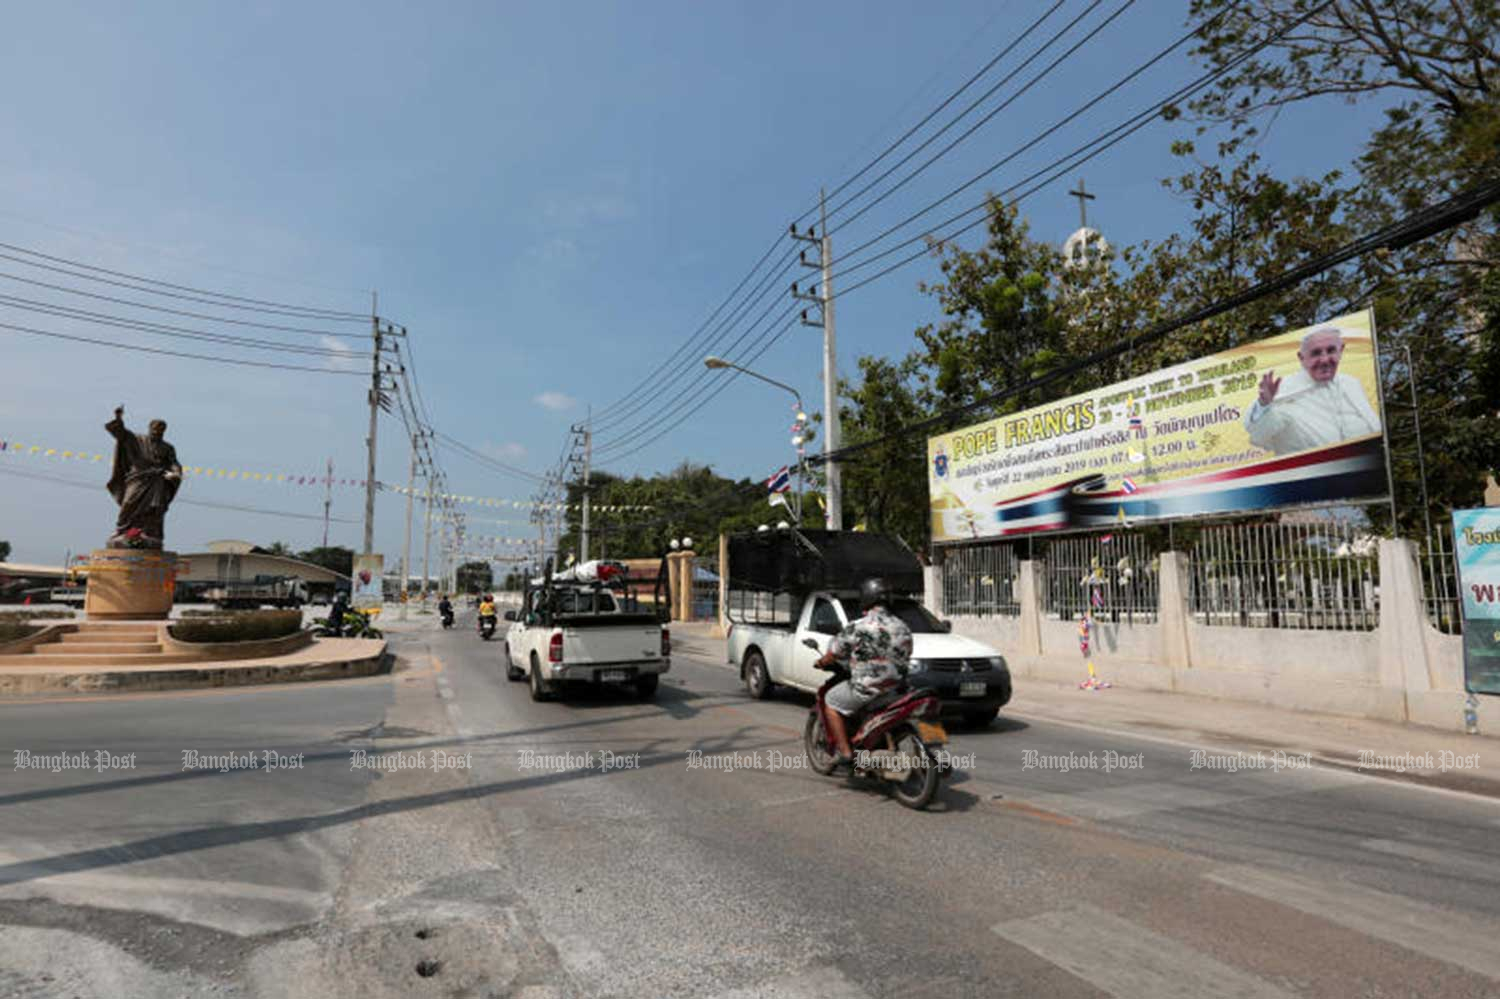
point(1311, 575)
point(982, 580)
point(705, 583)
point(1440, 593)
point(1114, 574)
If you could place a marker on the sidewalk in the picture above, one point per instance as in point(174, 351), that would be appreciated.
point(1387, 749)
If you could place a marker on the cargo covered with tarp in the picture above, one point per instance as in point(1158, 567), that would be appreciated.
point(799, 561)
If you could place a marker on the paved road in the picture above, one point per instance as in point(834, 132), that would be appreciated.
point(606, 847)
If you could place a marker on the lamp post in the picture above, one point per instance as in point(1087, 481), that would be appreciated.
point(715, 363)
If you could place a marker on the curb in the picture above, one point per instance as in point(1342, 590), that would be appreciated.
point(24, 682)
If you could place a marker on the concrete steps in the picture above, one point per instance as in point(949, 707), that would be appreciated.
point(95, 643)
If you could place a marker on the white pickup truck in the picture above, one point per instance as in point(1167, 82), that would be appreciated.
point(765, 643)
point(576, 627)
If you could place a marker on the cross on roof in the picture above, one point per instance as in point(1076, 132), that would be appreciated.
point(1083, 197)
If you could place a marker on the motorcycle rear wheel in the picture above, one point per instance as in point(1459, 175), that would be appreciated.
point(815, 745)
point(921, 784)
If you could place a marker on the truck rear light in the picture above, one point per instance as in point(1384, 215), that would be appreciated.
point(554, 648)
point(666, 642)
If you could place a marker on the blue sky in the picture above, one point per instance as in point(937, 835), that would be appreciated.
point(551, 197)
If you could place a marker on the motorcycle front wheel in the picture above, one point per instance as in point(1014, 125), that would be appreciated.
point(815, 744)
point(921, 782)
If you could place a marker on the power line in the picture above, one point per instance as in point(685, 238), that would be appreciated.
point(78, 483)
point(162, 329)
point(484, 459)
point(1419, 225)
point(989, 116)
point(229, 301)
point(937, 110)
point(171, 311)
point(31, 331)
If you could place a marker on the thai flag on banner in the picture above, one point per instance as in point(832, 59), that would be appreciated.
point(781, 482)
point(1128, 485)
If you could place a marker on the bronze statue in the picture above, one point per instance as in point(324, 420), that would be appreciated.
point(144, 480)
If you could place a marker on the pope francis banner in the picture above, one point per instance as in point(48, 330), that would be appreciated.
point(1288, 420)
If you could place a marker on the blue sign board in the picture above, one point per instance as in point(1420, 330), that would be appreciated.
point(1476, 538)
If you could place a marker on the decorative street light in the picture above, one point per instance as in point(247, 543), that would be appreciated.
point(798, 437)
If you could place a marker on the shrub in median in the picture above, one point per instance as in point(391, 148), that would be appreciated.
point(13, 630)
point(33, 615)
point(248, 626)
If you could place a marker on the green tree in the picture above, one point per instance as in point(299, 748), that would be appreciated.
point(334, 557)
point(885, 487)
point(4, 550)
point(475, 577)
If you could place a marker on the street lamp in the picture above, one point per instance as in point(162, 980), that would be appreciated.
point(714, 363)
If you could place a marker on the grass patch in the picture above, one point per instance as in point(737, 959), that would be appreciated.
point(247, 626)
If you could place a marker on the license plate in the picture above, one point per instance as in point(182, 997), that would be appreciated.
point(612, 675)
point(975, 689)
point(932, 732)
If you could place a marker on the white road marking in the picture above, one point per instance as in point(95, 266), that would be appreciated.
point(1129, 962)
point(819, 983)
point(1454, 937)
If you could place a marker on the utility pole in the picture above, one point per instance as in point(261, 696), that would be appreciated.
point(369, 547)
point(824, 300)
point(411, 488)
point(378, 401)
point(426, 537)
point(327, 501)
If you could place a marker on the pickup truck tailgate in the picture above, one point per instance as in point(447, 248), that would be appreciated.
point(598, 643)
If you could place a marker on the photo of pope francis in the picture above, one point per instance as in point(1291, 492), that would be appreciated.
point(1314, 407)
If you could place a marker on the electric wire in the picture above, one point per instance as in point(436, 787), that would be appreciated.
point(311, 309)
point(32, 331)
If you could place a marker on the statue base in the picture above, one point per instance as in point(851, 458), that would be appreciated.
point(128, 584)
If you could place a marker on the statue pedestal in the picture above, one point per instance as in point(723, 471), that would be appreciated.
point(130, 584)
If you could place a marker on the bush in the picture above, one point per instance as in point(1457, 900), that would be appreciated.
point(249, 626)
point(34, 615)
point(12, 630)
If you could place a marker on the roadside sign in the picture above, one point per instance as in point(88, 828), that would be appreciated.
point(1476, 547)
point(367, 588)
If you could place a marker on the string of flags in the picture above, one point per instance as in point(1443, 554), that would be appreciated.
point(10, 448)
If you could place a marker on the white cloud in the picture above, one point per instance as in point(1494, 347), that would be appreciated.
point(346, 358)
point(556, 401)
point(509, 451)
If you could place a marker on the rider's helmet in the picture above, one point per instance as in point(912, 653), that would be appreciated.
point(873, 591)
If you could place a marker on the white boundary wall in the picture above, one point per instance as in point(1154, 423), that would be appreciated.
point(1405, 670)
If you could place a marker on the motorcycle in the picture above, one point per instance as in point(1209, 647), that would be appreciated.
point(899, 739)
point(447, 617)
point(487, 627)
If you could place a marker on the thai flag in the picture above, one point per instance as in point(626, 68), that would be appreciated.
point(781, 482)
point(1137, 425)
point(1128, 485)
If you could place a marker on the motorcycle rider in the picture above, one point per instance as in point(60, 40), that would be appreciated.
point(486, 610)
point(877, 648)
point(445, 609)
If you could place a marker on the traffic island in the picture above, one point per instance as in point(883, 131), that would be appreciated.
point(97, 667)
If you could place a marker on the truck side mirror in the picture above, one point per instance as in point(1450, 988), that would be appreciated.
point(947, 626)
point(510, 615)
point(812, 643)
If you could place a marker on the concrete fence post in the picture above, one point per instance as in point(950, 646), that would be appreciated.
point(723, 584)
point(1404, 664)
point(932, 588)
point(1173, 613)
point(1030, 597)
